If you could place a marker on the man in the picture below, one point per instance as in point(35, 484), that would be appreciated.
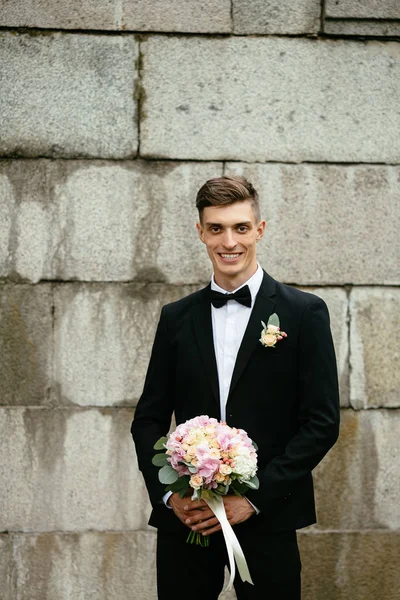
point(208, 359)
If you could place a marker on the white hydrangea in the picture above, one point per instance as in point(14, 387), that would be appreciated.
point(245, 464)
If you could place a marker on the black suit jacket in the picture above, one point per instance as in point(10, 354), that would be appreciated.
point(285, 397)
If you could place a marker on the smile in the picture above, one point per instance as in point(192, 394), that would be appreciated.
point(230, 256)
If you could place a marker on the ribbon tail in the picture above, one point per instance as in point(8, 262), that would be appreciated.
point(235, 552)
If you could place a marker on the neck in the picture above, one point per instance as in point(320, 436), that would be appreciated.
point(232, 283)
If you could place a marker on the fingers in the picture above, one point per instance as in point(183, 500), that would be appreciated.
point(212, 529)
point(206, 525)
point(202, 525)
point(193, 518)
point(194, 505)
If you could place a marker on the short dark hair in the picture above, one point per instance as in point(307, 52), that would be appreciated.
point(226, 190)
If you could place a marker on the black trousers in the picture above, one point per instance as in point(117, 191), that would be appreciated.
point(273, 560)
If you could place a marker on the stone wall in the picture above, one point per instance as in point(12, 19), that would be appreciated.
point(112, 114)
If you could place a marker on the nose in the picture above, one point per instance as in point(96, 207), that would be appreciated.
point(229, 240)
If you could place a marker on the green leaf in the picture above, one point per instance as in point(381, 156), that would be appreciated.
point(182, 482)
point(193, 469)
point(239, 488)
point(253, 483)
point(159, 445)
point(167, 475)
point(264, 325)
point(159, 460)
point(180, 485)
point(274, 320)
point(254, 445)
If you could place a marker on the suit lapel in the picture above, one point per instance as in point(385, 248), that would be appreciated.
point(202, 322)
point(262, 309)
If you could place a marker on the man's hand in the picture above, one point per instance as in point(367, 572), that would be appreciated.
point(190, 511)
point(200, 518)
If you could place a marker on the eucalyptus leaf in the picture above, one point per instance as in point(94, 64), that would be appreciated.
point(274, 320)
point(254, 445)
point(159, 460)
point(160, 444)
point(193, 469)
point(167, 475)
point(251, 485)
point(255, 482)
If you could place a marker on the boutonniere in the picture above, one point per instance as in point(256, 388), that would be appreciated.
point(271, 332)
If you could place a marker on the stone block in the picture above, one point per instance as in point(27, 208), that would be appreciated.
point(5, 567)
point(26, 228)
point(344, 565)
point(375, 347)
point(80, 566)
point(113, 566)
point(210, 16)
point(336, 566)
point(336, 300)
point(54, 14)
point(276, 16)
point(325, 223)
point(25, 344)
point(103, 339)
point(138, 15)
point(96, 220)
point(270, 99)
point(363, 28)
point(68, 95)
point(69, 470)
point(358, 483)
point(363, 9)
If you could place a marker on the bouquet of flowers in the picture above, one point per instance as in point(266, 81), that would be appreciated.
point(211, 459)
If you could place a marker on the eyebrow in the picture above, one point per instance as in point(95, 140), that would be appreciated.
point(210, 224)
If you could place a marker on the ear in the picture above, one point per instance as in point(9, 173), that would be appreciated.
point(260, 229)
point(200, 231)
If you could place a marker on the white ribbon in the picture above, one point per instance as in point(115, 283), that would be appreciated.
point(235, 552)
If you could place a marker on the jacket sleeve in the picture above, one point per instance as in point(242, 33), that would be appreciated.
point(154, 410)
point(318, 411)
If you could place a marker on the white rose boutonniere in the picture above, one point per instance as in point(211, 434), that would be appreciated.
point(271, 332)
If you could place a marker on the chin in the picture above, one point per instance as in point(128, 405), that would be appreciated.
point(231, 270)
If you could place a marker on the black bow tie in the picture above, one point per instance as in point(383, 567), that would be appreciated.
point(243, 296)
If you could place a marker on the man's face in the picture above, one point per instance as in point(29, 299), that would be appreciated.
point(231, 234)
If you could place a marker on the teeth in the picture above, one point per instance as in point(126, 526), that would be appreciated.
point(230, 256)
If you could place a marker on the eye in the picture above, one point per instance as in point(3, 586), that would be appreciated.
point(215, 229)
point(242, 228)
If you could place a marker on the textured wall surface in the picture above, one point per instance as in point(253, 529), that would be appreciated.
point(112, 115)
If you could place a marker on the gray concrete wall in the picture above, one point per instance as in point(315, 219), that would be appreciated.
point(112, 114)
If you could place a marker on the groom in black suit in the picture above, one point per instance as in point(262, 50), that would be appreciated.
point(207, 359)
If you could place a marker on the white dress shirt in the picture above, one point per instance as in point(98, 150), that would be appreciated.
point(229, 323)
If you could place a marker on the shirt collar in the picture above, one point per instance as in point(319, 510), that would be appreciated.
point(254, 284)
